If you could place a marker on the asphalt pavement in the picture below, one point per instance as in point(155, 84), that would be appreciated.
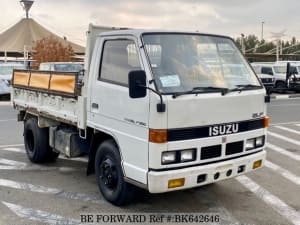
point(60, 192)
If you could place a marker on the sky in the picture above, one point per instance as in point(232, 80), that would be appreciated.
point(70, 18)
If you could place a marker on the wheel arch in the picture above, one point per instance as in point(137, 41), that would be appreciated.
point(279, 82)
point(98, 137)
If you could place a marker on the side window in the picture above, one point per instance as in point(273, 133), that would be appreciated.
point(119, 57)
point(44, 66)
point(267, 70)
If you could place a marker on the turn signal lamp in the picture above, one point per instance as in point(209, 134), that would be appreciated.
point(158, 135)
point(176, 183)
point(257, 164)
point(266, 121)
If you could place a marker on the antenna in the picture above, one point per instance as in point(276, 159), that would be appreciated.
point(26, 4)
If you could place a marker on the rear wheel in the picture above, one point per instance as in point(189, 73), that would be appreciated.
point(109, 175)
point(36, 141)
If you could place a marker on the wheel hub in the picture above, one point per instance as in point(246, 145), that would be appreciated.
point(108, 173)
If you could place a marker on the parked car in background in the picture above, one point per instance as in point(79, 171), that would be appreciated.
point(267, 79)
point(278, 70)
point(4, 89)
point(61, 66)
point(6, 70)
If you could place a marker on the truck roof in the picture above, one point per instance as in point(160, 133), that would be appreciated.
point(139, 32)
point(95, 31)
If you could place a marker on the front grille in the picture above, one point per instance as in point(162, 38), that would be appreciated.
point(267, 80)
point(211, 152)
point(178, 134)
point(234, 147)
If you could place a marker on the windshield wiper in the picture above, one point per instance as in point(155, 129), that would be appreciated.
point(224, 91)
point(242, 87)
point(198, 90)
point(248, 86)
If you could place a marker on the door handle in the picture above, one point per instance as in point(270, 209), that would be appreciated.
point(95, 106)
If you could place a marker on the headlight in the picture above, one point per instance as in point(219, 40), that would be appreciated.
point(255, 142)
point(178, 156)
point(168, 157)
point(259, 141)
point(187, 155)
point(250, 144)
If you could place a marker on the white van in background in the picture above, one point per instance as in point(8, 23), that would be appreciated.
point(267, 79)
point(6, 70)
point(278, 70)
point(62, 66)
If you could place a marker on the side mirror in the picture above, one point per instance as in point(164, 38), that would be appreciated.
point(267, 99)
point(137, 84)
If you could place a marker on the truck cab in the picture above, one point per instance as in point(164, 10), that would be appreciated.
point(159, 110)
point(205, 109)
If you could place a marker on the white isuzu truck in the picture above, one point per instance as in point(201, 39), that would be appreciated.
point(156, 110)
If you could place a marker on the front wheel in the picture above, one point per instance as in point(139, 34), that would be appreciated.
point(280, 85)
point(109, 175)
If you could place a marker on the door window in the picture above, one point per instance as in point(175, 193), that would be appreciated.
point(118, 59)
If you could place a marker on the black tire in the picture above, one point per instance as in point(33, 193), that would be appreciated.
point(280, 85)
point(109, 175)
point(36, 141)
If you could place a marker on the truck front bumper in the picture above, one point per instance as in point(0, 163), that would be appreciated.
point(204, 174)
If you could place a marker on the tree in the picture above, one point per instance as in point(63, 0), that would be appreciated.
point(253, 46)
point(50, 49)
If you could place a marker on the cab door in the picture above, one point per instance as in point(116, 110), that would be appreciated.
point(113, 111)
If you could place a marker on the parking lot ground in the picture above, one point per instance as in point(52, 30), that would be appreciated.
point(59, 192)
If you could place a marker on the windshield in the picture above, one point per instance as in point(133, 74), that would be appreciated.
point(8, 70)
point(68, 67)
point(283, 69)
point(280, 69)
point(181, 62)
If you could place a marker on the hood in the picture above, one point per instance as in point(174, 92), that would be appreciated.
point(261, 75)
point(206, 109)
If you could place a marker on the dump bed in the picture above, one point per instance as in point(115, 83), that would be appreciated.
point(56, 95)
point(49, 94)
